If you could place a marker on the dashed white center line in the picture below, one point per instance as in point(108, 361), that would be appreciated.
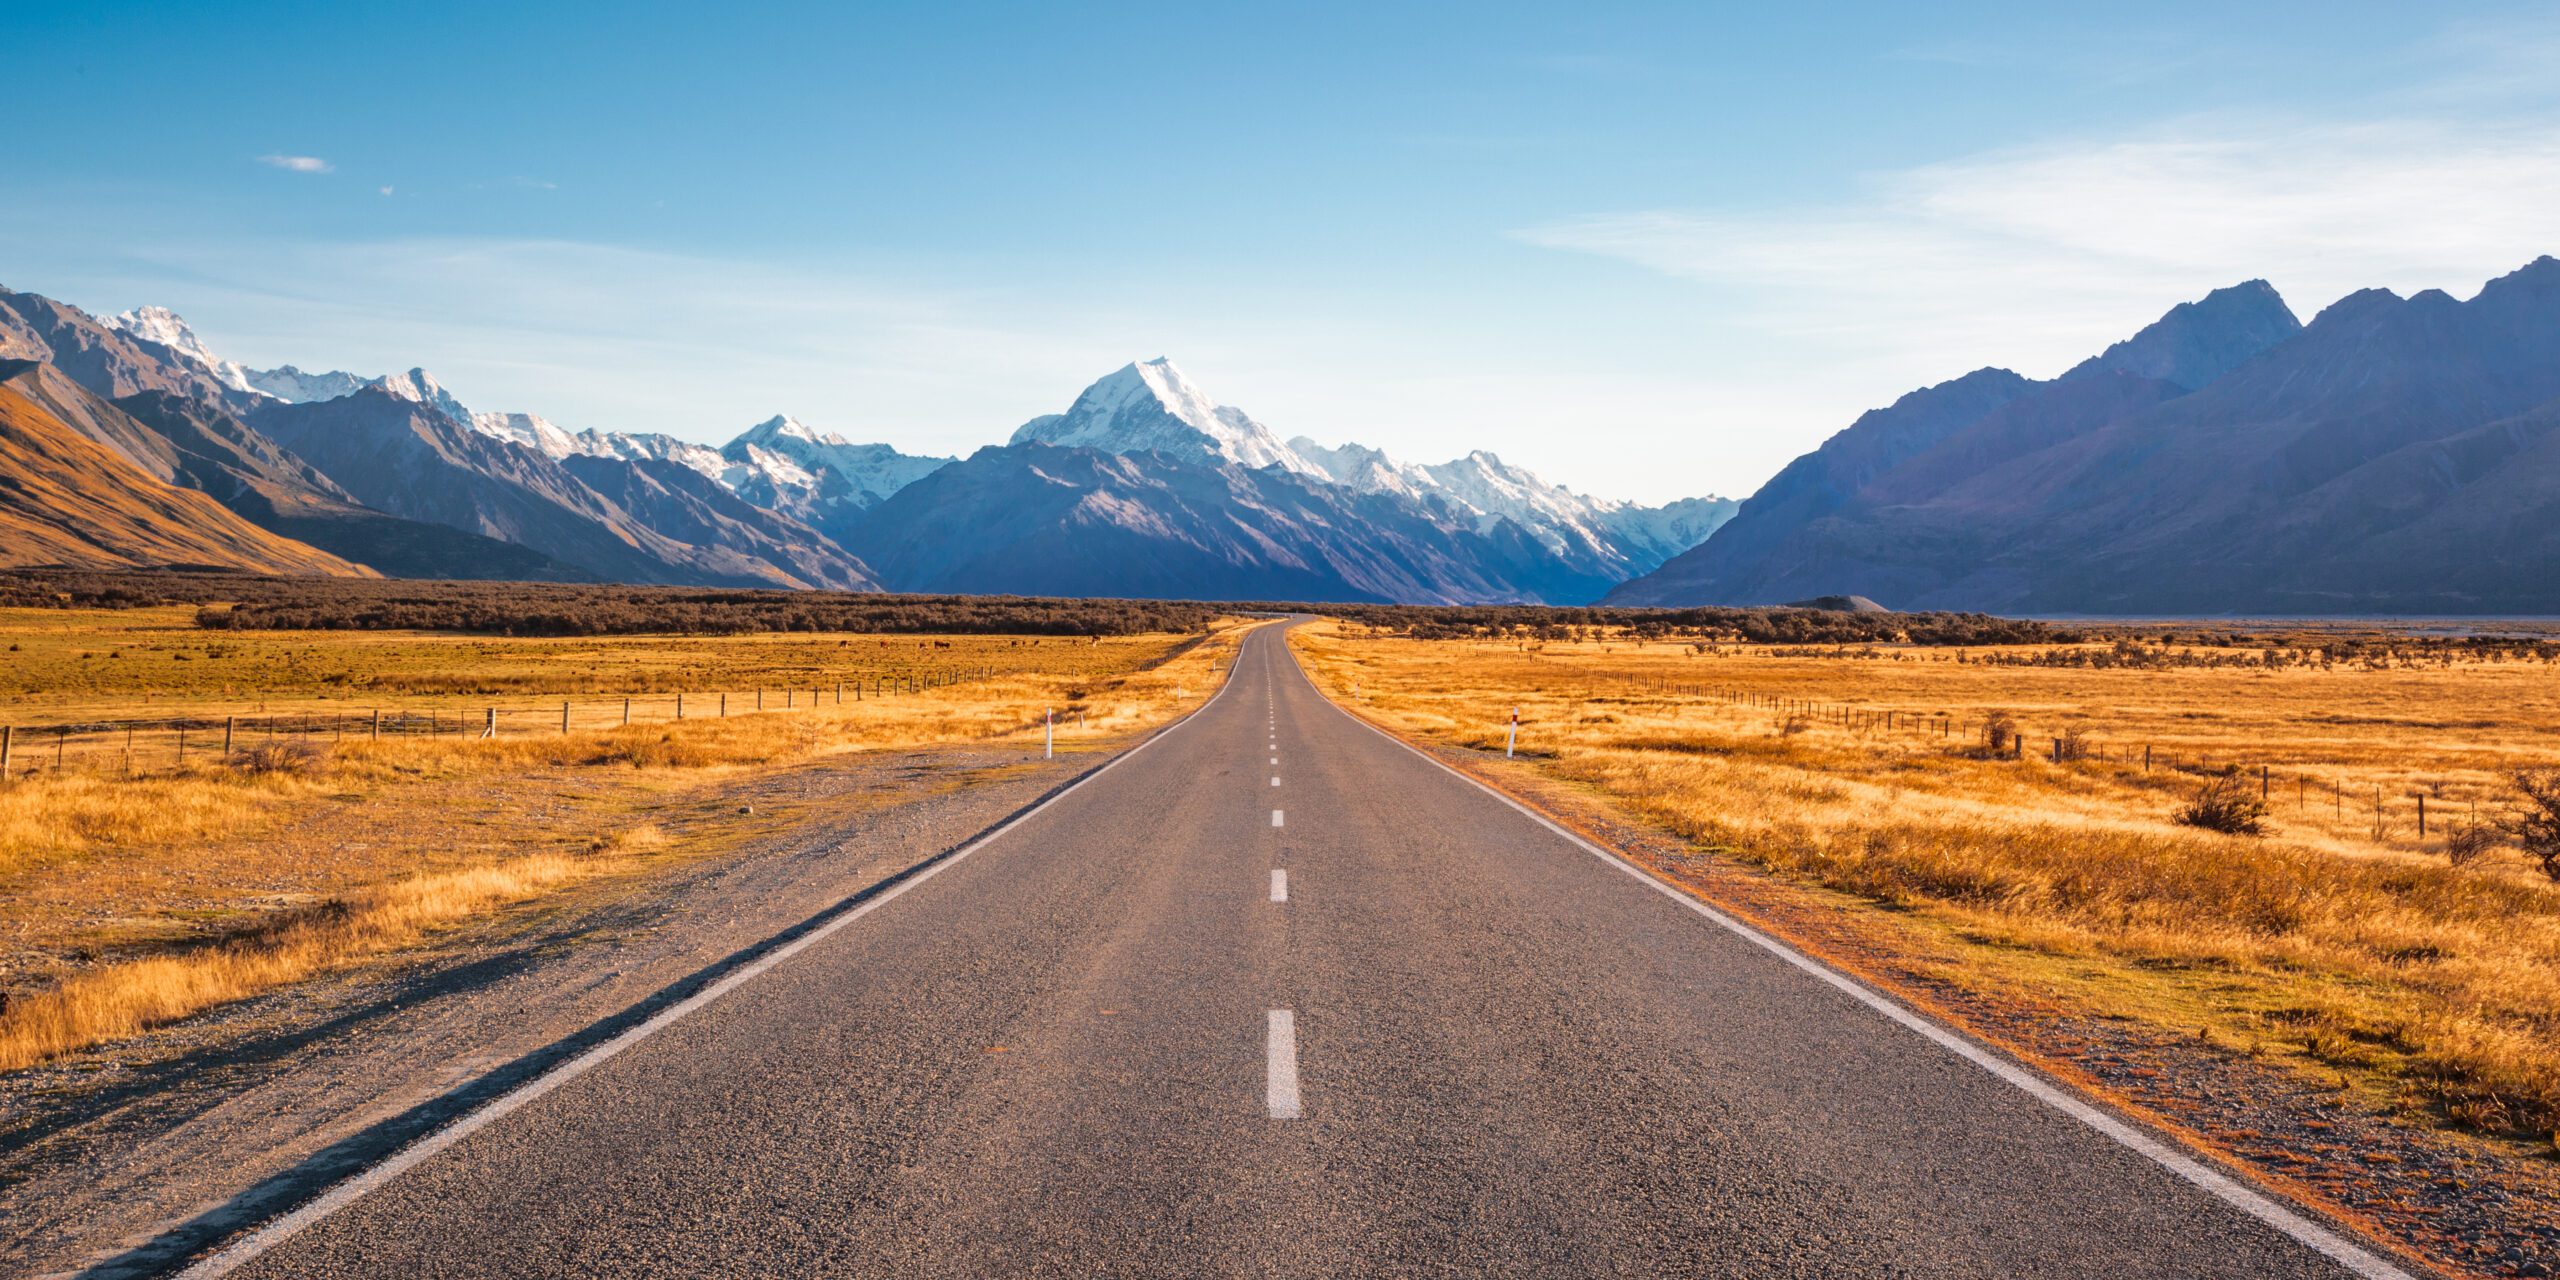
point(1280, 1089)
point(1275, 781)
point(1279, 885)
point(1275, 817)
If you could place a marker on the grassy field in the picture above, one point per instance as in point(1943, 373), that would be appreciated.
point(129, 901)
point(2338, 942)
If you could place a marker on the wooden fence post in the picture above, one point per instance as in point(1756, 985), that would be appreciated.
point(564, 715)
point(7, 733)
point(626, 713)
point(490, 730)
point(377, 724)
point(679, 706)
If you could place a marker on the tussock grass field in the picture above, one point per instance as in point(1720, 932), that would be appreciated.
point(2334, 943)
point(130, 902)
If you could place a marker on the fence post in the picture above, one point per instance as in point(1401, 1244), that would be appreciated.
point(724, 704)
point(7, 732)
point(2262, 784)
point(377, 724)
point(2146, 757)
point(490, 729)
point(182, 746)
point(626, 713)
point(2422, 815)
point(679, 706)
point(2057, 751)
point(564, 715)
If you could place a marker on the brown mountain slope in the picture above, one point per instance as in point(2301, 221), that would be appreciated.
point(67, 500)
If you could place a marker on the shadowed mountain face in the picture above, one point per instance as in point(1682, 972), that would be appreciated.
point(2394, 456)
point(415, 461)
point(681, 503)
point(67, 499)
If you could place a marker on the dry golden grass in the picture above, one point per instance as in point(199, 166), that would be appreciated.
point(124, 999)
point(2329, 942)
point(135, 902)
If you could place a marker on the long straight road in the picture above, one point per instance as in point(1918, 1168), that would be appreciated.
point(1276, 996)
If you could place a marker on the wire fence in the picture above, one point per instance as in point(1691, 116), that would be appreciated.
point(1996, 735)
point(170, 744)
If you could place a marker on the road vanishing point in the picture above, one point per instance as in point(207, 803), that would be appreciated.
point(1273, 994)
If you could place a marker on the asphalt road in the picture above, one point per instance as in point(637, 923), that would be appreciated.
point(1276, 996)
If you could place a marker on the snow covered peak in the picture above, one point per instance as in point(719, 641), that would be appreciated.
point(1148, 405)
point(163, 326)
point(293, 386)
point(530, 430)
point(801, 471)
point(421, 387)
point(782, 427)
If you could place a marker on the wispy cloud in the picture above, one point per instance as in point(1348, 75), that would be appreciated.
point(2036, 256)
point(296, 164)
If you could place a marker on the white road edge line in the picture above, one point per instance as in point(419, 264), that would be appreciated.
point(1279, 885)
point(1280, 1088)
point(247, 1249)
point(2231, 1191)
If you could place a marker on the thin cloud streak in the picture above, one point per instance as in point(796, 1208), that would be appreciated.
point(2037, 257)
point(296, 164)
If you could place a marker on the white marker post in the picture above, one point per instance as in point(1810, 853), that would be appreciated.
point(1049, 734)
point(1512, 738)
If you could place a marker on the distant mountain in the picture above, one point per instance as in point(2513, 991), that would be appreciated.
point(414, 459)
point(1170, 494)
point(66, 499)
point(1041, 520)
point(2393, 456)
point(681, 503)
point(398, 471)
point(1598, 536)
point(98, 356)
point(180, 422)
point(2198, 342)
point(815, 476)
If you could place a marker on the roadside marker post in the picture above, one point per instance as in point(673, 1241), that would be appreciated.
point(1511, 738)
point(1049, 734)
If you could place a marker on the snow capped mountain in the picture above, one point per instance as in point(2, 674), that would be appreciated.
point(1619, 536)
point(420, 387)
point(293, 386)
point(161, 325)
point(1150, 406)
point(1488, 529)
point(530, 430)
point(798, 467)
point(640, 446)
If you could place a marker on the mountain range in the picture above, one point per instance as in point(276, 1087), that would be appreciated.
point(2393, 456)
point(1143, 486)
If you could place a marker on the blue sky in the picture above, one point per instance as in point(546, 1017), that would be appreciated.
point(1648, 251)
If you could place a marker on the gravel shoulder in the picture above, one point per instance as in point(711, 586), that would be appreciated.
point(118, 1161)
